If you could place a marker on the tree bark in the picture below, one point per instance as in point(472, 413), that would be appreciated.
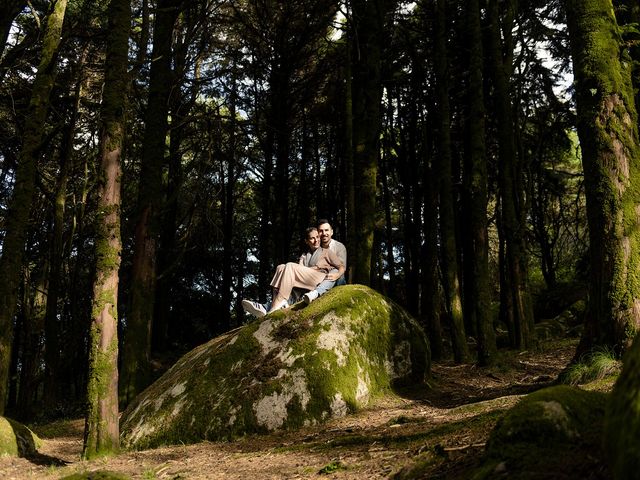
point(368, 18)
point(17, 218)
point(608, 132)
point(33, 327)
point(475, 181)
point(135, 371)
point(53, 380)
point(430, 298)
point(514, 282)
point(101, 433)
point(348, 147)
point(448, 249)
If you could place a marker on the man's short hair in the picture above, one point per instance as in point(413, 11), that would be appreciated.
point(323, 221)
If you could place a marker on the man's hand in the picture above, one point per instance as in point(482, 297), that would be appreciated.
point(333, 276)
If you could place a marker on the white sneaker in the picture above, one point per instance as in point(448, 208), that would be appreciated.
point(280, 306)
point(310, 296)
point(254, 308)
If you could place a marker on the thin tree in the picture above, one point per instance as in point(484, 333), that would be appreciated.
point(101, 433)
point(17, 218)
point(516, 308)
point(608, 132)
point(368, 24)
point(475, 182)
point(449, 263)
point(135, 371)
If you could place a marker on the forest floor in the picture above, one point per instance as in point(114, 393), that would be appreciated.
point(447, 425)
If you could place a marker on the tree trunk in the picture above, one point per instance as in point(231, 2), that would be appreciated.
point(368, 19)
point(101, 433)
point(33, 327)
point(475, 180)
point(448, 249)
point(168, 255)
point(135, 370)
point(385, 169)
point(348, 150)
point(280, 121)
point(409, 168)
point(515, 279)
point(228, 210)
point(628, 13)
point(17, 218)
point(608, 132)
point(53, 381)
point(430, 298)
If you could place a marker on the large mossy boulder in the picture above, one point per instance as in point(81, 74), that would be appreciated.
point(552, 433)
point(16, 439)
point(296, 367)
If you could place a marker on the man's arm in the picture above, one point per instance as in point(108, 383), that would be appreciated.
point(337, 262)
point(342, 253)
point(333, 276)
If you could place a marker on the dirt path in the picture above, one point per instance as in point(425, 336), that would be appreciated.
point(450, 422)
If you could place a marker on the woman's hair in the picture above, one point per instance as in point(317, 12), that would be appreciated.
point(308, 231)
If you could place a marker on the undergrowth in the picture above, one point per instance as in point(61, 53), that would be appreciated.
point(594, 366)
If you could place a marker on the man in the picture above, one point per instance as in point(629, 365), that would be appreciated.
point(326, 241)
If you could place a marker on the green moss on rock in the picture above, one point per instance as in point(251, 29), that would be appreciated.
point(16, 439)
point(292, 368)
point(552, 433)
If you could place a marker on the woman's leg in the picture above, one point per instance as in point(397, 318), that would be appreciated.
point(292, 275)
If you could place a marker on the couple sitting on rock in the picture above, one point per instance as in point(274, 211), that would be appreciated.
point(318, 270)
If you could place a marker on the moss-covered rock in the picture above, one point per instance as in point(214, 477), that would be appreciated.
point(16, 439)
point(553, 433)
point(295, 367)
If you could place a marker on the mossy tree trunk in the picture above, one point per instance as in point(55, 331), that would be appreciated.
point(608, 132)
point(17, 217)
point(517, 310)
point(447, 217)
point(368, 21)
point(628, 14)
point(475, 183)
point(101, 433)
point(135, 369)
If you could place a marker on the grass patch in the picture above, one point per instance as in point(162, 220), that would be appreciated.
point(331, 468)
point(592, 367)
